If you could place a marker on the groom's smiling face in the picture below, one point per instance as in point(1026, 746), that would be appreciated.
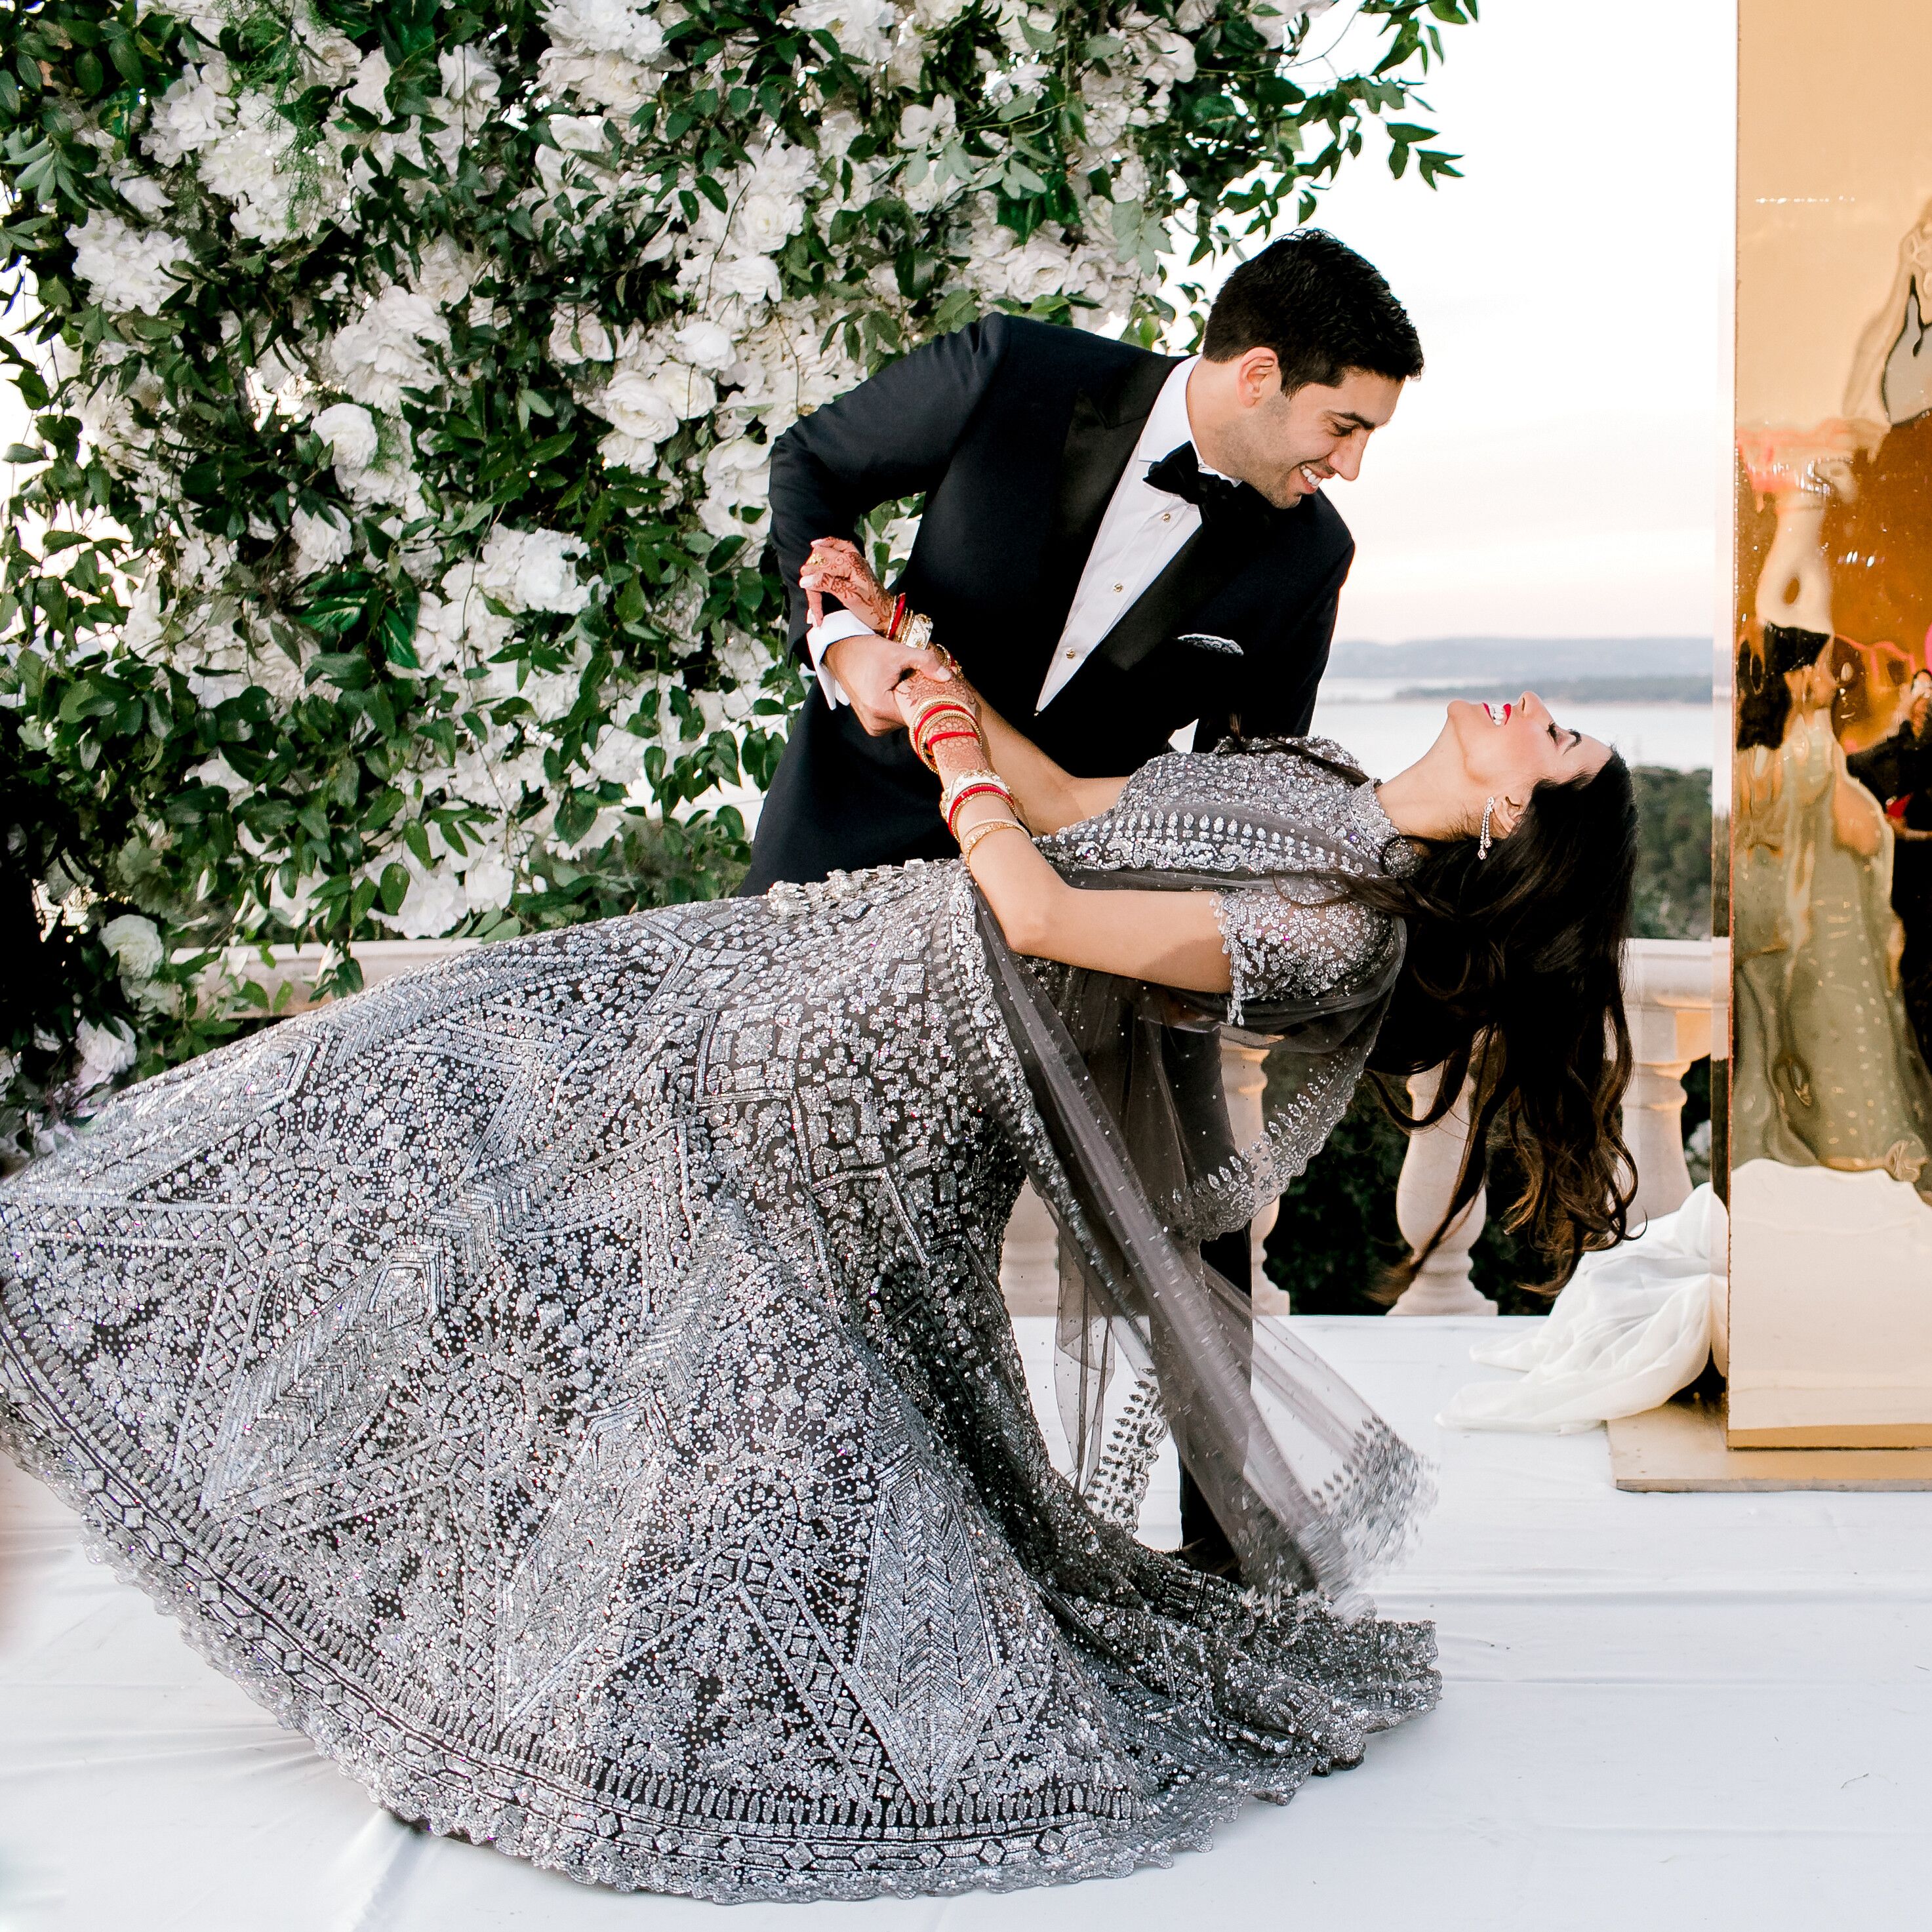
point(1285, 446)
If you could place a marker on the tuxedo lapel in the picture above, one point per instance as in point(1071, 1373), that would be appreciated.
point(1100, 437)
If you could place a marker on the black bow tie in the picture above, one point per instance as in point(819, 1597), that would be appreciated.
point(1180, 474)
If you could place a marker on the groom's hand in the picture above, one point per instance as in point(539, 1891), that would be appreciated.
point(869, 668)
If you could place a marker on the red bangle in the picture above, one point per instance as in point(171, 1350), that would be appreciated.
point(985, 788)
point(897, 617)
point(943, 737)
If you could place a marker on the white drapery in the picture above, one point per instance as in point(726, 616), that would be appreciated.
point(1632, 1328)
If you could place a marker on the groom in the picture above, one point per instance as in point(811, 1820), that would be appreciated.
point(1116, 545)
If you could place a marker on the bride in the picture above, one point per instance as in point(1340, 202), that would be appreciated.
point(571, 1383)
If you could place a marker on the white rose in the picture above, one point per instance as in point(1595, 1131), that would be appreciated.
point(322, 541)
point(605, 26)
point(636, 407)
point(765, 223)
point(580, 133)
point(105, 1050)
point(487, 882)
point(751, 278)
point(372, 78)
point(349, 430)
point(434, 903)
point(467, 76)
point(447, 272)
point(690, 392)
point(863, 28)
point(623, 451)
point(145, 195)
point(576, 335)
point(135, 944)
point(531, 570)
point(380, 353)
point(608, 79)
point(920, 127)
point(704, 345)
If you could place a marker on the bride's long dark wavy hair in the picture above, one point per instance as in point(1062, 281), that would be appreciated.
point(1514, 974)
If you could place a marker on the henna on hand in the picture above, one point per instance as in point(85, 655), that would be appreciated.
point(836, 569)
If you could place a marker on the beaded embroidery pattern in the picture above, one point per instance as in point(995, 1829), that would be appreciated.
point(572, 1385)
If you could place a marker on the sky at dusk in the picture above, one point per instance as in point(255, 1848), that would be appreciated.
point(1557, 471)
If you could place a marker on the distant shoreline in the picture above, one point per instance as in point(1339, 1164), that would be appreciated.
point(1637, 690)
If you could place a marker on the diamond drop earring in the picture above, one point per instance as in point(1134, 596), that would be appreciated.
point(1482, 837)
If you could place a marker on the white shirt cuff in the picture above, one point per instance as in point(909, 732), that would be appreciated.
point(820, 637)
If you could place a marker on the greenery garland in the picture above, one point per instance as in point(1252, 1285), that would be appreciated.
point(387, 554)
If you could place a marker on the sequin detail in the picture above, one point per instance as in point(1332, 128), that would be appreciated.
point(571, 1386)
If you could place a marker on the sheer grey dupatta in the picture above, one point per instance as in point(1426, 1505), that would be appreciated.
point(1310, 1485)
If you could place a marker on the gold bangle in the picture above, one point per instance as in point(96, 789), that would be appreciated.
point(971, 838)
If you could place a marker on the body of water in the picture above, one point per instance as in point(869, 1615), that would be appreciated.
point(1385, 733)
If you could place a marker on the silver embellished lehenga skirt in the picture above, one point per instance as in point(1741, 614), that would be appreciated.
point(571, 1386)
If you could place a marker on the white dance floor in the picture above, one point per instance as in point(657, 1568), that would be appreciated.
point(1679, 1711)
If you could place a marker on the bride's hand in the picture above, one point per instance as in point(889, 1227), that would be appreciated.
point(912, 693)
point(835, 568)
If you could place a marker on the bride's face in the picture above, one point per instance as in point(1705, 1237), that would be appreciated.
point(1507, 750)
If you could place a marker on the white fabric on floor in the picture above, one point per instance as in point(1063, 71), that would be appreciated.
point(1706, 1710)
point(1632, 1327)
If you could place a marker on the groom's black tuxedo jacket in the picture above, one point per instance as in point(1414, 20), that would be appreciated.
point(1017, 432)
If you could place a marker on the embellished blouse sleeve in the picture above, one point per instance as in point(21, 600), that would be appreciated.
point(1291, 939)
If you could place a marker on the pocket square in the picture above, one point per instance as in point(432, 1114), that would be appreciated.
point(1207, 641)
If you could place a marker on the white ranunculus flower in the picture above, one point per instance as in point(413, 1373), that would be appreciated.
point(105, 1050)
point(372, 77)
point(135, 945)
point(737, 475)
point(932, 16)
point(125, 268)
point(605, 26)
point(531, 570)
point(704, 345)
point(349, 430)
point(576, 335)
point(322, 540)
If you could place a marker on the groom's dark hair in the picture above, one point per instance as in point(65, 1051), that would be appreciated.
point(1320, 307)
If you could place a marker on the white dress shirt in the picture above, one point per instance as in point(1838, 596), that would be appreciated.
point(1141, 533)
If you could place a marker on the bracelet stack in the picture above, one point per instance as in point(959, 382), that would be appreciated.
point(943, 718)
point(973, 784)
point(907, 626)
